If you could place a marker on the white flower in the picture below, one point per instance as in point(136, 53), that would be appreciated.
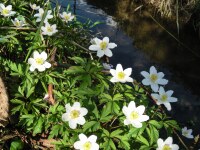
point(74, 115)
point(6, 11)
point(120, 75)
point(167, 144)
point(49, 29)
point(46, 97)
point(164, 98)
point(86, 143)
point(107, 66)
point(40, 14)
point(39, 61)
point(134, 115)
point(67, 16)
point(187, 133)
point(153, 78)
point(18, 23)
point(34, 6)
point(102, 47)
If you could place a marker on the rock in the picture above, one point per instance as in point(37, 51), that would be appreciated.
point(4, 105)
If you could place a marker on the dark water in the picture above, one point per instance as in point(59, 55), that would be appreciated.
point(143, 43)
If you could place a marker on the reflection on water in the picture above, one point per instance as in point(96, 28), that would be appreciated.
point(142, 43)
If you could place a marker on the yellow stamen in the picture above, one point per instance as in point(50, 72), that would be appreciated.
point(74, 114)
point(164, 97)
point(134, 115)
point(5, 11)
point(39, 61)
point(166, 147)
point(49, 29)
point(121, 75)
point(87, 146)
point(154, 78)
point(103, 45)
point(66, 17)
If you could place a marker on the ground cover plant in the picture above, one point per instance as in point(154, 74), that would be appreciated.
point(64, 94)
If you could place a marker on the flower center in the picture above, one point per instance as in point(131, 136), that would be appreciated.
point(74, 114)
point(121, 75)
point(164, 97)
point(17, 23)
point(87, 146)
point(49, 29)
point(154, 78)
point(185, 133)
point(134, 115)
point(39, 61)
point(66, 17)
point(34, 6)
point(166, 147)
point(5, 12)
point(103, 45)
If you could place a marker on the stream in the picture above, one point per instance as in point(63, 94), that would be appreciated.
point(144, 41)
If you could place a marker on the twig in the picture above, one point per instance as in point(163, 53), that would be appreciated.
point(17, 28)
point(83, 48)
point(180, 140)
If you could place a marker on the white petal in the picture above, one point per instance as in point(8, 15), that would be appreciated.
point(113, 72)
point(41, 68)
point(65, 117)
point(169, 141)
point(76, 105)
point(47, 65)
point(145, 74)
point(172, 99)
point(129, 79)
point(131, 105)
point(153, 70)
point(137, 124)
point(106, 39)
point(127, 122)
point(77, 145)
point(140, 109)
point(143, 118)
point(112, 45)
point(124, 110)
point(161, 90)
point(175, 147)
point(169, 93)
point(113, 79)
point(67, 107)
point(128, 71)
point(82, 137)
point(36, 54)
point(155, 96)
point(72, 124)
point(92, 138)
point(9, 7)
point(168, 106)
point(81, 120)
point(95, 146)
point(154, 87)
point(31, 61)
point(44, 55)
point(100, 53)
point(108, 52)
point(146, 82)
point(83, 111)
point(160, 143)
point(94, 47)
point(32, 68)
point(162, 81)
point(161, 75)
point(119, 68)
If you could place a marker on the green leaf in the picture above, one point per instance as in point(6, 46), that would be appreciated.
point(17, 145)
point(143, 140)
point(157, 124)
point(116, 133)
point(88, 125)
point(38, 127)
